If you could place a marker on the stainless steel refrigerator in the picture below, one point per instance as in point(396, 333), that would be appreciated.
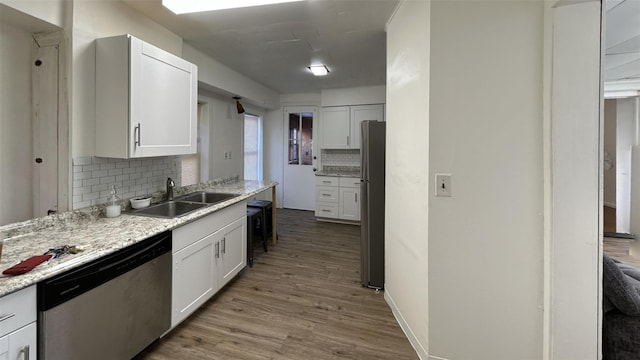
point(372, 152)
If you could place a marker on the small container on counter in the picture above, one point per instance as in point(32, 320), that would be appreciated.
point(114, 204)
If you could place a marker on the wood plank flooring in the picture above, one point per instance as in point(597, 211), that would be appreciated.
point(301, 300)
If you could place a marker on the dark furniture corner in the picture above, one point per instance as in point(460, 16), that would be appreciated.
point(621, 309)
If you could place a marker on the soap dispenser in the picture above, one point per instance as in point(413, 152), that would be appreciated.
point(113, 204)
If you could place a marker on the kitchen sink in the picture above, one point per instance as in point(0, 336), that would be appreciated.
point(207, 197)
point(170, 209)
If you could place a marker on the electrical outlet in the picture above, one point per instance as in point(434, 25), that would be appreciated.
point(443, 184)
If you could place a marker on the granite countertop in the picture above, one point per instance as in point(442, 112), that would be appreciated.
point(96, 234)
point(345, 173)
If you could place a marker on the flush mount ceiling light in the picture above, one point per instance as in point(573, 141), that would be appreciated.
point(318, 70)
point(190, 6)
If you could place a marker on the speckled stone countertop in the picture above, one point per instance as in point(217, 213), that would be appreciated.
point(355, 174)
point(96, 234)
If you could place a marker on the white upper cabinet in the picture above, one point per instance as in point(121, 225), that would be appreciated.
point(359, 114)
point(334, 128)
point(340, 125)
point(146, 100)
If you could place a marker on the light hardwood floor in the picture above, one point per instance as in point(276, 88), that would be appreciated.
point(301, 300)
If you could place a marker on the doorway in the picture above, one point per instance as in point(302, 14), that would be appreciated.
point(299, 166)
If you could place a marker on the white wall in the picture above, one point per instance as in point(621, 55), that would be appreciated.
point(220, 78)
point(16, 146)
point(485, 242)
point(609, 137)
point(353, 96)
point(226, 132)
point(51, 11)
point(407, 170)
point(477, 267)
point(625, 141)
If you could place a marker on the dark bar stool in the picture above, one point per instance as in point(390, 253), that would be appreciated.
point(267, 213)
point(254, 227)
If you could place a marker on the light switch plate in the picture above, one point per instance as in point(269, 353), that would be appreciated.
point(443, 184)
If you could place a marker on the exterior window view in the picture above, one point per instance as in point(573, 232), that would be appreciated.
point(319, 179)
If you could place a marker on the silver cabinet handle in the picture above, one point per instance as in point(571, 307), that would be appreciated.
point(347, 139)
point(25, 351)
point(136, 135)
point(325, 210)
point(6, 317)
point(326, 182)
point(224, 247)
point(326, 195)
point(356, 195)
point(217, 250)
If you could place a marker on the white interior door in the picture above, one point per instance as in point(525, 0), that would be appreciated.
point(299, 163)
point(45, 130)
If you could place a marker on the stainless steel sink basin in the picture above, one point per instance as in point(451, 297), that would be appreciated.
point(170, 209)
point(207, 197)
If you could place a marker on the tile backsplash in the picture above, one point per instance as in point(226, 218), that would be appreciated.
point(94, 176)
point(340, 157)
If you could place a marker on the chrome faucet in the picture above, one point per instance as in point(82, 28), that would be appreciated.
point(170, 185)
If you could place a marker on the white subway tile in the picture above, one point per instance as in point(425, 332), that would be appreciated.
point(82, 160)
point(107, 179)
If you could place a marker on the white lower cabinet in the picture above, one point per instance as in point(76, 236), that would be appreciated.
point(193, 278)
point(207, 253)
point(350, 204)
point(232, 251)
point(338, 198)
point(20, 344)
point(18, 331)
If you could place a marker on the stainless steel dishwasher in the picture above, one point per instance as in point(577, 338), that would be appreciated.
point(111, 308)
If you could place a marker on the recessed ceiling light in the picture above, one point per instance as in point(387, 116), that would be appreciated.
point(190, 6)
point(319, 70)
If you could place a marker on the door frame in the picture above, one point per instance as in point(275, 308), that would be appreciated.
point(54, 39)
point(572, 113)
point(285, 121)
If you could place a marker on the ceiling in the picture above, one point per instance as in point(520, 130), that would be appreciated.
point(622, 40)
point(274, 44)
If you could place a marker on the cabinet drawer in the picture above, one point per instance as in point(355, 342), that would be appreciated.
point(349, 182)
point(327, 210)
point(17, 309)
point(327, 180)
point(194, 231)
point(327, 194)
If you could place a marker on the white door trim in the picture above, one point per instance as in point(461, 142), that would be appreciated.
point(573, 198)
point(60, 103)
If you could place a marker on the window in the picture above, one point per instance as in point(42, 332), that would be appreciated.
point(252, 147)
point(300, 139)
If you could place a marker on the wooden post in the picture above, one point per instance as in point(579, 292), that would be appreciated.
point(274, 226)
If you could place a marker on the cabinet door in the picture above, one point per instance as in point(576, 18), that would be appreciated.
point(359, 114)
point(334, 128)
point(193, 280)
point(232, 250)
point(163, 102)
point(20, 344)
point(350, 204)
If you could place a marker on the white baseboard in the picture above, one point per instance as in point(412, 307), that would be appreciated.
point(417, 346)
point(608, 204)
